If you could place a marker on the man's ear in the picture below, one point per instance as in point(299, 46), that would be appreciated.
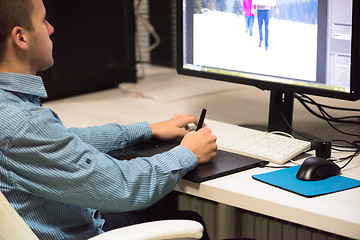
point(19, 37)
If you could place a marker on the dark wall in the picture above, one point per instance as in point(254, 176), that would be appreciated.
point(94, 46)
point(162, 16)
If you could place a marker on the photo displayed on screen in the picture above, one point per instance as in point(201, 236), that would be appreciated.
point(304, 42)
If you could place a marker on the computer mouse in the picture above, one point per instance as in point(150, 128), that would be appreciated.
point(316, 168)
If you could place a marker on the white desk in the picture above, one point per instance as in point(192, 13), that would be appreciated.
point(338, 213)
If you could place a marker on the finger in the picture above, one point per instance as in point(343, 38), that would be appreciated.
point(187, 119)
point(189, 133)
point(175, 116)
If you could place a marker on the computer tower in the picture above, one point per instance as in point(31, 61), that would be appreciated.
point(94, 46)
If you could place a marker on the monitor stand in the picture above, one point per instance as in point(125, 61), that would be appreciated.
point(281, 111)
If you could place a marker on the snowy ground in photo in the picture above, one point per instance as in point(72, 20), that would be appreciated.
point(220, 41)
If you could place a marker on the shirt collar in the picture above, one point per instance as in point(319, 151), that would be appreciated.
point(23, 83)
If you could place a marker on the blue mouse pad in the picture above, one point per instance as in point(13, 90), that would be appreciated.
point(286, 179)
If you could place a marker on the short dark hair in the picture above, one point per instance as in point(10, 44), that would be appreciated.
point(13, 13)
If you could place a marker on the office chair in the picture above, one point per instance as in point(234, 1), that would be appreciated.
point(13, 227)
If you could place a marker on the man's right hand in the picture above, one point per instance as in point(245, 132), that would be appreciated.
point(202, 143)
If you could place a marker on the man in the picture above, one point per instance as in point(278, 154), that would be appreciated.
point(263, 17)
point(59, 179)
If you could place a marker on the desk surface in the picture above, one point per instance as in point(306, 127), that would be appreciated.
point(149, 100)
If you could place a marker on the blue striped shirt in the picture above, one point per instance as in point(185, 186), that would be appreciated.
point(56, 177)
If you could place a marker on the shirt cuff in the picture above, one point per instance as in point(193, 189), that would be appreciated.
point(139, 132)
point(187, 158)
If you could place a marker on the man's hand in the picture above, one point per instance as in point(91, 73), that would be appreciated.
point(202, 143)
point(176, 127)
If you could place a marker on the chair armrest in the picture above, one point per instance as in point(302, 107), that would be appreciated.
point(12, 226)
point(165, 229)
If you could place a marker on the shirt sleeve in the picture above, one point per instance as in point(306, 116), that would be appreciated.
point(114, 136)
point(48, 160)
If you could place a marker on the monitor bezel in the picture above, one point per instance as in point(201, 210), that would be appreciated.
point(283, 87)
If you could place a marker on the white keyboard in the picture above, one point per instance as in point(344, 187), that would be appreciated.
point(254, 143)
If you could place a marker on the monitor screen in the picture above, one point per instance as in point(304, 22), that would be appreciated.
point(303, 46)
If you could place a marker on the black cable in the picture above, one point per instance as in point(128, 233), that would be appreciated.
point(354, 144)
point(303, 99)
point(323, 113)
point(294, 131)
point(349, 145)
point(352, 157)
point(341, 150)
point(327, 106)
point(346, 133)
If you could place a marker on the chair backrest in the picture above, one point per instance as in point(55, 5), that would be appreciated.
point(12, 226)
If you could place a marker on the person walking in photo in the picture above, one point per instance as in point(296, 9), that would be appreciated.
point(249, 14)
point(264, 18)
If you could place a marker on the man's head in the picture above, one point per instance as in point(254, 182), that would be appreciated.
point(25, 35)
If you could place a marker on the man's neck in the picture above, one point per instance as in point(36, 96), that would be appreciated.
point(16, 62)
point(16, 68)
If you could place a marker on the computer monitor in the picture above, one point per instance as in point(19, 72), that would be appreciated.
point(309, 47)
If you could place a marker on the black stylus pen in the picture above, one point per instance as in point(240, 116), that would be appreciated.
point(201, 120)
